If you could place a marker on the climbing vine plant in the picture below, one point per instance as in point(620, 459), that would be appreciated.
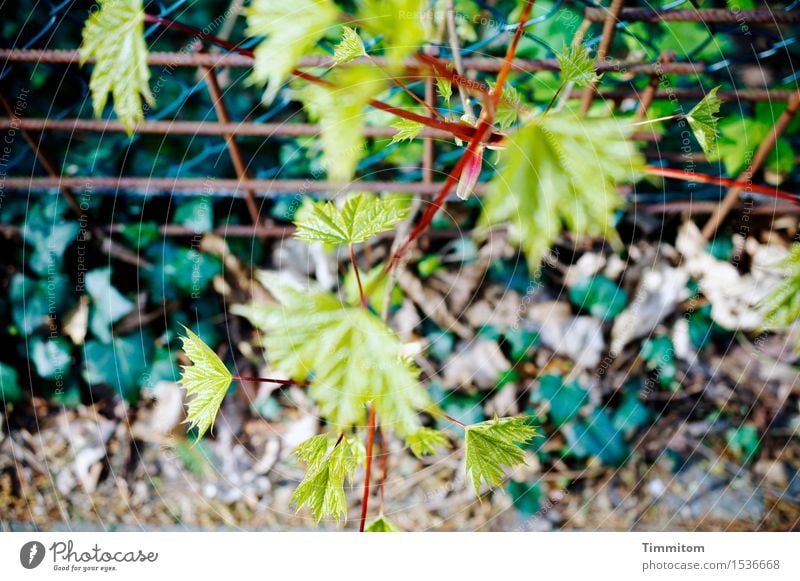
point(557, 170)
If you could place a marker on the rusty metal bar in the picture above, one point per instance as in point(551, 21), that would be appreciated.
point(243, 129)
point(708, 16)
point(179, 59)
point(760, 156)
point(609, 26)
point(262, 187)
point(233, 148)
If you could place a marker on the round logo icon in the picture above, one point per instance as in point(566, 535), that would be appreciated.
point(31, 554)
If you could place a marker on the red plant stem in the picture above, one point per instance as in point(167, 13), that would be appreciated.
point(460, 130)
point(358, 276)
point(370, 445)
point(271, 380)
point(484, 127)
point(687, 176)
point(455, 421)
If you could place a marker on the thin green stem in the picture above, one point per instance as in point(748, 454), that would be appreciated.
point(658, 119)
point(271, 380)
point(358, 276)
point(553, 99)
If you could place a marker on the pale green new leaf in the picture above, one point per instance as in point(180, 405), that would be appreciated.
point(406, 129)
point(508, 107)
point(425, 441)
point(381, 525)
point(350, 354)
point(350, 48)
point(703, 121)
point(783, 304)
point(114, 37)
point(292, 30)
point(207, 381)
point(339, 108)
point(492, 444)
point(445, 89)
point(561, 170)
point(577, 66)
point(400, 24)
point(362, 217)
point(322, 488)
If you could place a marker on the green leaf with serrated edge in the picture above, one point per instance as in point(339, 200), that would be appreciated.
point(577, 66)
point(322, 488)
point(561, 170)
point(508, 108)
point(351, 355)
point(400, 24)
point(292, 30)
point(703, 121)
point(425, 441)
point(207, 380)
point(492, 444)
point(782, 305)
point(349, 48)
point(406, 130)
point(362, 216)
point(445, 89)
point(339, 108)
point(382, 525)
point(114, 37)
point(313, 450)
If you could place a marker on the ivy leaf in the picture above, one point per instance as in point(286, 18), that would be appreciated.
point(322, 488)
point(425, 441)
point(207, 380)
point(445, 88)
point(350, 48)
point(382, 525)
point(114, 36)
point(492, 444)
point(352, 356)
point(703, 121)
point(292, 30)
point(406, 130)
point(362, 217)
point(400, 24)
point(577, 66)
point(561, 170)
point(339, 108)
point(782, 305)
point(10, 391)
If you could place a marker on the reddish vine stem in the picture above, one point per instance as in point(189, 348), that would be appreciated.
point(687, 176)
point(481, 131)
point(460, 130)
point(271, 380)
point(384, 466)
point(358, 276)
point(370, 445)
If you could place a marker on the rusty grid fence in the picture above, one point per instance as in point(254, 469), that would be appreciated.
point(247, 181)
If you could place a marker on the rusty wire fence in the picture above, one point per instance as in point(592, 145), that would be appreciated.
point(55, 154)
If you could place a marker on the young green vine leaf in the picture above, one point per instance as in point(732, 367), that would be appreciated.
point(426, 441)
point(382, 525)
point(782, 305)
point(406, 130)
point(339, 108)
point(114, 37)
point(400, 24)
point(351, 355)
point(362, 216)
point(349, 48)
point(703, 121)
point(292, 30)
point(445, 89)
point(577, 66)
point(492, 444)
point(206, 380)
point(559, 170)
point(330, 462)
